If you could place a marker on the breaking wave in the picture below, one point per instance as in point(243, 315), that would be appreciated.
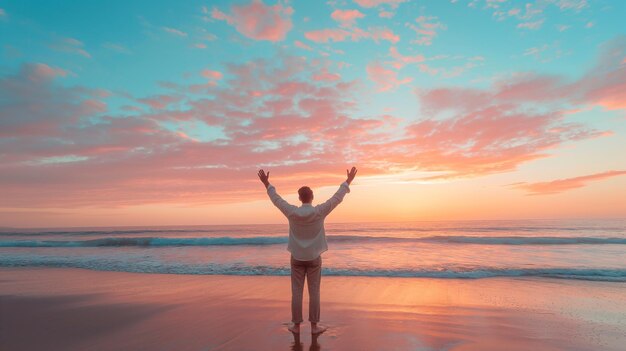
point(274, 240)
point(108, 264)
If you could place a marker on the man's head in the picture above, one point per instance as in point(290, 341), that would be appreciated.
point(306, 194)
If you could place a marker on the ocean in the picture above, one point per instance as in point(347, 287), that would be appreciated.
point(561, 249)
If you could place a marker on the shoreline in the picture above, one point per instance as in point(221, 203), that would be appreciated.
point(74, 309)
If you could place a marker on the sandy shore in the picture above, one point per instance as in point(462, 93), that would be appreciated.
point(74, 309)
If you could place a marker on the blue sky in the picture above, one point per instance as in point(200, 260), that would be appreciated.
point(432, 91)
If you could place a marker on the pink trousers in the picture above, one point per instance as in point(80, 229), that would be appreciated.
point(312, 271)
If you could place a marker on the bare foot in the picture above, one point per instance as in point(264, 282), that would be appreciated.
point(318, 329)
point(294, 328)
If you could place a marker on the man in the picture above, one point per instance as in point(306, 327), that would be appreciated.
point(307, 241)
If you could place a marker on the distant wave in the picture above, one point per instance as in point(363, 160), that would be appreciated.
point(274, 240)
point(219, 241)
point(107, 264)
point(345, 229)
point(109, 232)
point(479, 229)
point(526, 240)
point(614, 275)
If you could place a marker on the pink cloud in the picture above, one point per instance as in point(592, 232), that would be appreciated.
point(426, 28)
point(386, 14)
point(385, 79)
point(572, 4)
point(533, 25)
point(533, 14)
point(259, 21)
point(441, 99)
point(302, 45)
point(326, 35)
point(42, 72)
point(518, 90)
point(454, 71)
point(513, 12)
point(603, 85)
point(562, 185)
point(610, 97)
point(521, 134)
point(137, 160)
point(346, 17)
point(384, 34)
point(354, 34)
point(92, 106)
point(401, 60)
point(375, 3)
point(211, 75)
point(63, 147)
point(71, 45)
point(326, 76)
point(29, 108)
point(489, 140)
point(116, 47)
point(175, 31)
point(217, 14)
point(159, 102)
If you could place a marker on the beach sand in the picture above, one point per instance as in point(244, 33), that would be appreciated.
point(76, 309)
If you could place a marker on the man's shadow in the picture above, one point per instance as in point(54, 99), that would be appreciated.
point(299, 346)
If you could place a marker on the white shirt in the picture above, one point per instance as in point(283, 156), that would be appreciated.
point(307, 238)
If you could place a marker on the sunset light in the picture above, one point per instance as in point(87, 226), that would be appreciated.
point(110, 113)
point(439, 174)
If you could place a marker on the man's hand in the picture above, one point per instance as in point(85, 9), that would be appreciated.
point(265, 177)
point(350, 175)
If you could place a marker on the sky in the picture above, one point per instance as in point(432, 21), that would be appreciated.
point(161, 112)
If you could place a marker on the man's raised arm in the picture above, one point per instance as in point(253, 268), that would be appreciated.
point(284, 207)
point(336, 199)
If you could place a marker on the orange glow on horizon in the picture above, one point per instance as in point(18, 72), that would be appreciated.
point(372, 199)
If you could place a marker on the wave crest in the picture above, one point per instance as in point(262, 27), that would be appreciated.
point(104, 264)
point(273, 240)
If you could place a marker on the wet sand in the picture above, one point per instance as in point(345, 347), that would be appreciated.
point(76, 309)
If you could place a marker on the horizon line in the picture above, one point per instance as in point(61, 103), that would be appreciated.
point(351, 222)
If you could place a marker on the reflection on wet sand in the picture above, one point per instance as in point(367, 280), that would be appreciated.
point(299, 346)
point(128, 311)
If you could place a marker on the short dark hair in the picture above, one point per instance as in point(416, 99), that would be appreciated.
point(306, 194)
